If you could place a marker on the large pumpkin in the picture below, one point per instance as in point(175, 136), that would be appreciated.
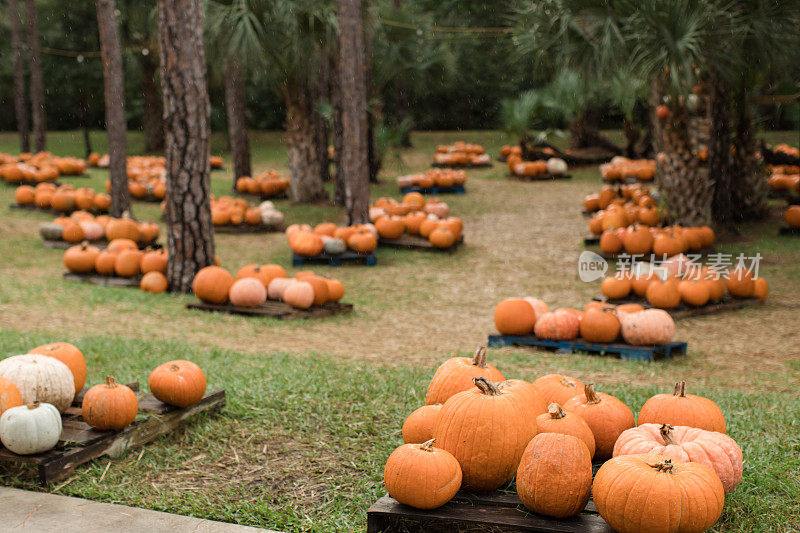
point(649, 493)
point(599, 325)
point(180, 383)
point(248, 292)
point(683, 444)
point(740, 283)
point(486, 429)
point(68, 354)
point(514, 316)
point(81, 258)
point(418, 427)
point(556, 420)
point(554, 477)
point(648, 327)
point(410, 464)
point(557, 388)
point(9, 395)
point(526, 391)
point(212, 284)
point(606, 415)
point(109, 406)
point(455, 375)
point(681, 409)
point(40, 378)
point(557, 325)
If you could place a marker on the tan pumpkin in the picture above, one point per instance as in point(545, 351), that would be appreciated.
point(647, 327)
point(70, 355)
point(247, 292)
point(154, 282)
point(40, 378)
point(299, 294)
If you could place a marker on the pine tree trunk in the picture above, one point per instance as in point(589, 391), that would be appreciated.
point(190, 232)
point(401, 106)
point(719, 154)
point(235, 106)
point(115, 106)
point(373, 109)
point(37, 84)
point(20, 104)
point(84, 118)
point(354, 160)
point(338, 138)
point(306, 185)
point(321, 89)
point(151, 104)
point(748, 180)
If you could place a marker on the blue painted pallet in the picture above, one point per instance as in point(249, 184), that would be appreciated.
point(624, 351)
point(455, 189)
point(335, 260)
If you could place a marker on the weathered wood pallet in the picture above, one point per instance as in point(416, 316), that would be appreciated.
point(80, 443)
point(727, 303)
point(591, 240)
point(99, 243)
point(247, 228)
point(416, 242)
point(645, 258)
point(463, 167)
point(455, 189)
point(283, 195)
point(788, 230)
point(51, 211)
point(467, 512)
point(32, 183)
point(335, 260)
point(279, 310)
point(540, 177)
point(624, 351)
point(109, 281)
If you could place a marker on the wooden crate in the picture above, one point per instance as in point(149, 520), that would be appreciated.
point(80, 443)
point(623, 351)
point(490, 512)
point(416, 242)
point(335, 260)
point(109, 281)
point(727, 303)
point(455, 189)
point(279, 310)
point(540, 177)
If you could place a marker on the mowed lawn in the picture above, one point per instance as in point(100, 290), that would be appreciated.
point(314, 408)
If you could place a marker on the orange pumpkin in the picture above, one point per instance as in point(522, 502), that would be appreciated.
point(128, 263)
point(606, 415)
point(514, 316)
point(418, 427)
point(557, 325)
point(9, 395)
point(455, 375)
point(212, 284)
point(81, 258)
point(68, 354)
point(664, 294)
point(616, 287)
point(557, 388)
point(180, 383)
point(154, 282)
point(600, 325)
point(109, 406)
point(740, 283)
point(556, 420)
point(410, 463)
point(681, 409)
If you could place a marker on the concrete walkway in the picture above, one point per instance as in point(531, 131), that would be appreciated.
point(22, 510)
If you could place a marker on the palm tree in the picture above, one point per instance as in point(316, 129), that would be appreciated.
point(190, 232)
point(21, 112)
point(37, 84)
point(116, 125)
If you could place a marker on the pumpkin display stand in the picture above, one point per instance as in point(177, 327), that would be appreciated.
point(274, 309)
point(621, 350)
point(539, 177)
point(788, 230)
point(335, 260)
point(80, 443)
point(454, 189)
point(108, 281)
point(418, 243)
point(727, 303)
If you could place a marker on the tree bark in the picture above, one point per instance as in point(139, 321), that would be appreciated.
point(190, 232)
point(354, 160)
point(748, 182)
point(585, 133)
point(37, 85)
point(373, 110)
point(235, 106)
point(719, 153)
point(321, 89)
point(151, 108)
point(116, 126)
point(306, 185)
point(338, 137)
point(84, 118)
point(20, 104)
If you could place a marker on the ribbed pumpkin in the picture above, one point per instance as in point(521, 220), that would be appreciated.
point(486, 430)
point(128, 263)
point(648, 327)
point(683, 444)
point(649, 493)
point(554, 477)
point(681, 409)
point(362, 242)
point(694, 292)
point(664, 294)
point(390, 227)
point(600, 325)
point(410, 464)
point(740, 283)
point(455, 375)
point(154, 282)
point(442, 237)
point(180, 383)
point(9, 395)
point(638, 240)
point(212, 284)
point(527, 392)
point(122, 228)
point(299, 294)
point(68, 354)
point(81, 258)
point(40, 378)
point(557, 388)
point(154, 261)
point(557, 325)
point(514, 316)
point(616, 287)
point(335, 290)
point(606, 415)
point(306, 243)
point(556, 420)
point(247, 292)
point(109, 406)
point(418, 427)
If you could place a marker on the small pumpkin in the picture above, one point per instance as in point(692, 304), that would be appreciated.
point(299, 294)
point(154, 261)
point(180, 383)
point(557, 388)
point(616, 287)
point(104, 264)
point(81, 258)
point(40, 378)
point(70, 355)
point(556, 420)
point(128, 263)
point(442, 237)
point(247, 292)
point(277, 287)
point(557, 325)
point(760, 289)
point(418, 427)
point(154, 282)
point(334, 246)
point(600, 325)
point(51, 231)
point(212, 284)
point(694, 292)
point(109, 406)
point(410, 463)
point(740, 283)
point(664, 294)
point(30, 429)
point(335, 290)
point(681, 409)
point(606, 415)
point(514, 316)
point(455, 375)
point(648, 327)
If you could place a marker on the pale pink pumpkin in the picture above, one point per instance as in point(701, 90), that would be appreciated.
point(559, 325)
point(651, 326)
point(276, 288)
point(92, 231)
point(683, 444)
point(247, 292)
point(539, 307)
point(299, 294)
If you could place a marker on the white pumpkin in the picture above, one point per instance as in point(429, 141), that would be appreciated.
point(29, 429)
point(40, 378)
point(556, 166)
point(92, 230)
point(271, 218)
point(405, 181)
point(371, 228)
point(439, 209)
point(277, 287)
point(266, 205)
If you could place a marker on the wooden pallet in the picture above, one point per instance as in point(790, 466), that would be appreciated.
point(283, 195)
point(455, 189)
point(51, 211)
point(247, 228)
point(540, 177)
point(80, 443)
point(279, 310)
point(624, 351)
point(467, 512)
point(99, 243)
point(462, 167)
point(335, 260)
point(31, 183)
point(109, 281)
point(415, 242)
point(727, 303)
point(788, 230)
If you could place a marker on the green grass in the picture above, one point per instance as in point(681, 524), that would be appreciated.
point(315, 408)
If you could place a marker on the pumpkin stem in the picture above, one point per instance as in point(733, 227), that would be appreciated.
point(666, 434)
point(591, 395)
point(84, 245)
point(680, 389)
point(110, 382)
point(479, 359)
point(486, 386)
point(32, 405)
point(427, 446)
point(556, 411)
point(174, 367)
point(567, 382)
point(664, 466)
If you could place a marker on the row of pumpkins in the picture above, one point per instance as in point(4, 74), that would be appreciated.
point(668, 468)
point(63, 198)
point(230, 211)
point(39, 167)
point(787, 149)
point(635, 194)
point(598, 322)
point(37, 387)
point(332, 239)
point(84, 226)
point(622, 214)
point(554, 166)
point(254, 284)
point(784, 178)
point(435, 177)
point(661, 242)
point(122, 258)
point(416, 216)
point(266, 184)
point(461, 154)
point(508, 150)
point(680, 282)
point(620, 168)
point(142, 164)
